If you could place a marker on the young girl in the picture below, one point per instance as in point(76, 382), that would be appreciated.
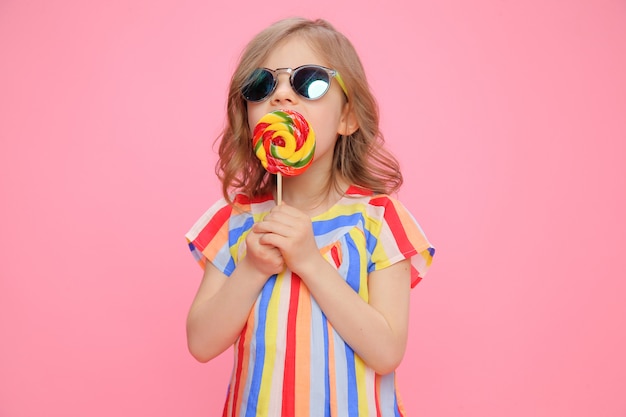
point(313, 293)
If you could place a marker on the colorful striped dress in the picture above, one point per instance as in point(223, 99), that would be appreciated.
point(289, 360)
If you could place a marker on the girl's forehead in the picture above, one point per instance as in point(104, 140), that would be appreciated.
point(292, 53)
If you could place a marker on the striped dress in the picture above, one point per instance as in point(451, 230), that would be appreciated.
point(288, 359)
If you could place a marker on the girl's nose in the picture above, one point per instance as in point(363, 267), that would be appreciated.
point(283, 92)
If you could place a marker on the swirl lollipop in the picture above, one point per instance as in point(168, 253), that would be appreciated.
point(284, 142)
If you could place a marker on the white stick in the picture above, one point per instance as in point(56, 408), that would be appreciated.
point(279, 188)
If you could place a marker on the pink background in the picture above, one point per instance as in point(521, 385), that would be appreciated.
point(510, 122)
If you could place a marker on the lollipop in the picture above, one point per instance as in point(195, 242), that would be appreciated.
point(284, 142)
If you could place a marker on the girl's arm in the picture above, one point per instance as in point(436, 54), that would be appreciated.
point(222, 304)
point(376, 330)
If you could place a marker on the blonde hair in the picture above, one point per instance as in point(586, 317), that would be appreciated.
point(360, 158)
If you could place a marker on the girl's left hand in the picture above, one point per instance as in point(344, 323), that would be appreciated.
point(291, 231)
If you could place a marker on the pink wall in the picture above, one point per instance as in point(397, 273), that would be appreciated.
point(509, 119)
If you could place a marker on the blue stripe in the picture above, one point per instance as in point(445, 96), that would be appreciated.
point(326, 367)
point(396, 409)
point(230, 266)
point(353, 274)
point(235, 233)
point(259, 357)
point(233, 237)
point(197, 255)
point(370, 241)
point(321, 227)
point(353, 395)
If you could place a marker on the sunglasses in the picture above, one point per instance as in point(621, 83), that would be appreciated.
point(309, 81)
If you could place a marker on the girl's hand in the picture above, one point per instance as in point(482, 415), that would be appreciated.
point(263, 256)
point(291, 231)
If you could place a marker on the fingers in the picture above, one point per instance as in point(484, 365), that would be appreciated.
point(264, 239)
point(283, 220)
point(286, 211)
point(269, 227)
point(289, 230)
point(265, 256)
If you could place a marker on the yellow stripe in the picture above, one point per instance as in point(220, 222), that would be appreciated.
point(271, 331)
point(340, 210)
point(361, 385)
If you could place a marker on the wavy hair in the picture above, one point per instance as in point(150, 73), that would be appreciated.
point(360, 158)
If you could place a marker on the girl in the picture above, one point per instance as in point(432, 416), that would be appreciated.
point(313, 293)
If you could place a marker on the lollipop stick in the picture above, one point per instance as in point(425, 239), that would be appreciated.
point(279, 188)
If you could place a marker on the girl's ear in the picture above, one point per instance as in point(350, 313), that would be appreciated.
point(348, 123)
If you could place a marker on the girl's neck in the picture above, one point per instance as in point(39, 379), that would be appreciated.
point(312, 193)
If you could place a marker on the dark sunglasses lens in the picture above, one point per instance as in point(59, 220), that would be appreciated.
point(258, 86)
point(311, 82)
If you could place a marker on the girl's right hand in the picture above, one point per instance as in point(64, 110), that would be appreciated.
point(264, 257)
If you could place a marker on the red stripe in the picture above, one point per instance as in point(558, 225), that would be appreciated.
point(242, 339)
point(356, 190)
point(242, 200)
point(395, 224)
point(210, 230)
point(289, 376)
point(334, 253)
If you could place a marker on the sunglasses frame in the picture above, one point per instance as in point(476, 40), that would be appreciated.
point(292, 72)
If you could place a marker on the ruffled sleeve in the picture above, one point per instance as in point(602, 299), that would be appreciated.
point(208, 239)
point(398, 236)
